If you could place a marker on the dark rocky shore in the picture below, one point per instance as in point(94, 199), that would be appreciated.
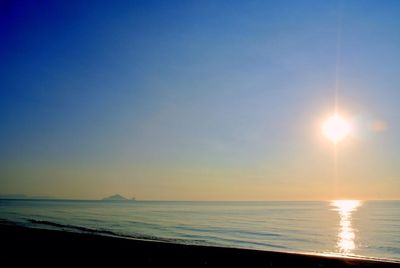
point(38, 247)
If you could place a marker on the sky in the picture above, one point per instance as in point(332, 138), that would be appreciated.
point(199, 100)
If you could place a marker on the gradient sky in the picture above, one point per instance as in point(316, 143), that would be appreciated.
point(198, 100)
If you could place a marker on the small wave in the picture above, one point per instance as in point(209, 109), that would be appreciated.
point(73, 227)
point(82, 229)
point(145, 224)
point(264, 234)
point(259, 244)
point(395, 250)
point(209, 229)
point(7, 222)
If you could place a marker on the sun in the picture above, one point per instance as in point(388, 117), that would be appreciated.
point(336, 128)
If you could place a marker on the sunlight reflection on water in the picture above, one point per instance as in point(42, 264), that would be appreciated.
point(346, 233)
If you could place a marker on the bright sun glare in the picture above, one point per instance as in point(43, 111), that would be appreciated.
point(346, 235)
point(336, 128)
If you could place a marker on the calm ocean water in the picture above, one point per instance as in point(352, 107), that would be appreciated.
point(370, 228)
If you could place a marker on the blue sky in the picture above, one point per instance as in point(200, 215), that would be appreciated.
point(197, 99)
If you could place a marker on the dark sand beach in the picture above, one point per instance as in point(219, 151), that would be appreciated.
point(33, 247)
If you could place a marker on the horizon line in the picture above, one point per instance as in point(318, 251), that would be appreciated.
point(183, 200)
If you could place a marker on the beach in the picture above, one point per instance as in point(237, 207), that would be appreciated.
point(33, 246)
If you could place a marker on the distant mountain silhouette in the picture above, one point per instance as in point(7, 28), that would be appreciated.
point(22, 196)
point(117, 197)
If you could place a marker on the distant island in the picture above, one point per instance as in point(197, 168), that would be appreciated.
point(117, 197)
point(22, 196)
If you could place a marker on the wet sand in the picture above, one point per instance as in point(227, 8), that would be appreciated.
point(38, 247)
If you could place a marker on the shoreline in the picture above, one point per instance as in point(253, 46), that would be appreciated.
point(43, 246)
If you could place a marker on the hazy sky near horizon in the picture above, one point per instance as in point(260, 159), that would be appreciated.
point(198, 100)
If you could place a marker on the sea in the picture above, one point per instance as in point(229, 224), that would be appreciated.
point(366, 229)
